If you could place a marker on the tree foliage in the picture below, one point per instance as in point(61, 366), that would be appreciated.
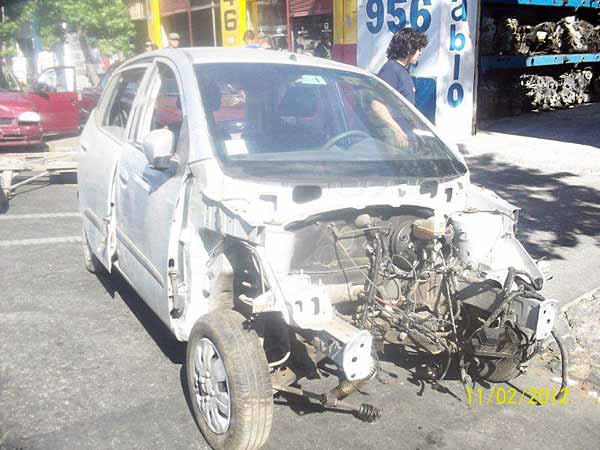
point(102, 23)
point(9, 27)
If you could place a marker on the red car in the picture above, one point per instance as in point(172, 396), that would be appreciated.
point(88, 97)
point(49, 108)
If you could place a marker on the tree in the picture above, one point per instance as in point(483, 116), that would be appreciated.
point(9, 27)
point(104, 23)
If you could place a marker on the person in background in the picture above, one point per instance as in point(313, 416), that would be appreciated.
point(265, 42)
point(149, 46)
point(323, 48)
point(173, 40)
point(404, 50)
point(250, 40)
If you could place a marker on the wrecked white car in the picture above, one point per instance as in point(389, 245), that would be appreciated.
point(278, 211)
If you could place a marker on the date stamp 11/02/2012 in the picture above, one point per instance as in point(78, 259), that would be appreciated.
point(500, 395)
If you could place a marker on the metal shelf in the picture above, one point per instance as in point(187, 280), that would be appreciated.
point(519, 61)
point(559, 3)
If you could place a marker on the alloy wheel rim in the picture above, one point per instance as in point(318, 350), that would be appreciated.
point(211, 387)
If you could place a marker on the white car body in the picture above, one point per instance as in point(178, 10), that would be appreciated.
point(164, 230)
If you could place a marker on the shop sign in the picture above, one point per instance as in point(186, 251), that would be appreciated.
point(233, 22)
point(446, 72)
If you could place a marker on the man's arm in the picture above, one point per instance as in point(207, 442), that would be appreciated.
point(383, 113)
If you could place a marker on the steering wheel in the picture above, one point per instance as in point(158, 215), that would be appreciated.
point(338, 137)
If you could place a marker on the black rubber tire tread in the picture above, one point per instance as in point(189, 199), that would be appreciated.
point(3, 198)
point(248, 376)
point(91, 262)
point(500, 370)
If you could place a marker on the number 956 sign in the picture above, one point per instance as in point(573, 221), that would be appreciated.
point(448, 62)
point(393, 14)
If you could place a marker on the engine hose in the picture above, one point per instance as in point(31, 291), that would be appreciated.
point(373, 280)
point(564, 366)
point(347, 387)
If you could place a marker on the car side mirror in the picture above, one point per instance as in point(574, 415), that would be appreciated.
point(158, 148)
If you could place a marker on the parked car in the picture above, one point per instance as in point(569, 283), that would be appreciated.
point(88, 97)
point(278, 211)
point(49, 108)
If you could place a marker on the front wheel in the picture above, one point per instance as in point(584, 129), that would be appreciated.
point(229, 382)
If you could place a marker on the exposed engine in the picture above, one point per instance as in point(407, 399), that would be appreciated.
point(419, 293)
point(457, 288)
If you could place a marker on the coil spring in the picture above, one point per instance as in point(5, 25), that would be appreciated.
point(368, 413)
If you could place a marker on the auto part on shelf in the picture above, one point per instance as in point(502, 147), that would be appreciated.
point(540, 91)
point(536, 92)
point(507, 36)
point(579, 36)
point(571, 88)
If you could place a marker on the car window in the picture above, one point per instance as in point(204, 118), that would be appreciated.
point(118, 108)
point(279, 120)
point(59, 79)
point(165, 100)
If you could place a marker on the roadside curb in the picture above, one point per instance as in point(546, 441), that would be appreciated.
point(576, 324)
point(575, 301)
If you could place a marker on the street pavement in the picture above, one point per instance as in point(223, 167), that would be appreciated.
point(84, 364)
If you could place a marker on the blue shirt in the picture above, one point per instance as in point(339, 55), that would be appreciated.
point(397, 76)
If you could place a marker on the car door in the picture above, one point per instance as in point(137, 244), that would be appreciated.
point(55, 95)
point(146, 197)
point(101, 146)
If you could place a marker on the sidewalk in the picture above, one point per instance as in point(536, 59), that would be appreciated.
point(548, 164)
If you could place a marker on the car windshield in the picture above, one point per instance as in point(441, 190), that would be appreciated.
point(281, 121)
point(8, 82)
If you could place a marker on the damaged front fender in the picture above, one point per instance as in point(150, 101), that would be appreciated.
point(485, 237)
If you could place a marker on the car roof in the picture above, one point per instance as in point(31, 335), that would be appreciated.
point(208, 55)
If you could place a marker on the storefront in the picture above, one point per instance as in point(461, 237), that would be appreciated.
point(205, 23)
point(271, 22)
point(175, 18)
point(310, 22)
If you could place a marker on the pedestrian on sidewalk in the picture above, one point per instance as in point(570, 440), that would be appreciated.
point(404, 50)
point(173, 40)
point(323, 48)
point(250, 40)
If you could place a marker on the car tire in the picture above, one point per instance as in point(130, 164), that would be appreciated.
point(3, 198)
point(229, 382)
point(91, 262)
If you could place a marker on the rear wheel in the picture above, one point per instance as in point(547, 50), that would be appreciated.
point(229, 382)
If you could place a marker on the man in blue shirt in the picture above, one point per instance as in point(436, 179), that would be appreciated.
point(404, 50)
point(250, 40)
